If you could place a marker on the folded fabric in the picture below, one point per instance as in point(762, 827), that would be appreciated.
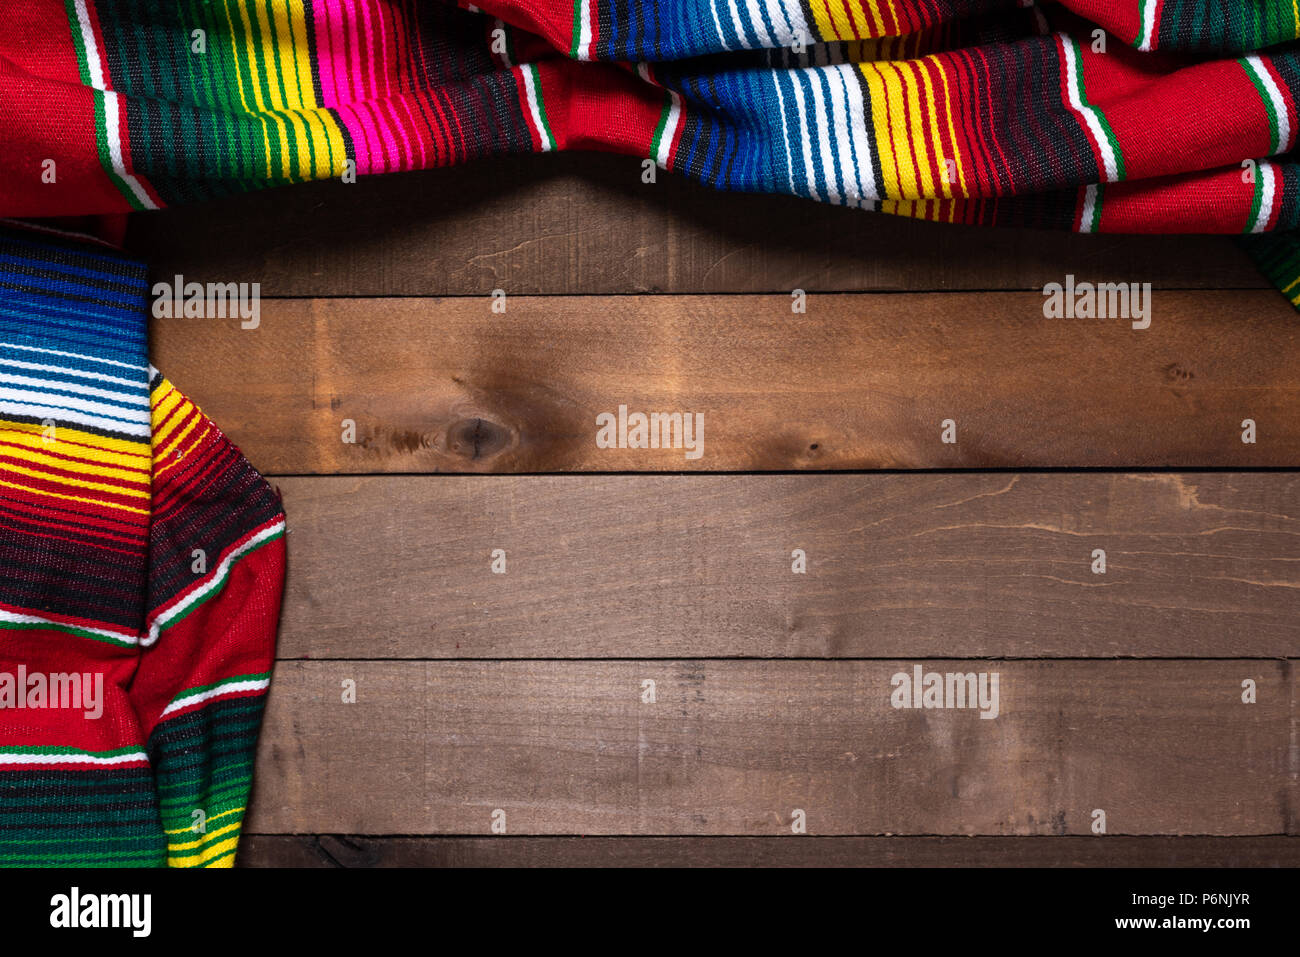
point(143, 562)
point(1127, 115)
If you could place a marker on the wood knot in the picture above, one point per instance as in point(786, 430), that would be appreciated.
point(477, 438)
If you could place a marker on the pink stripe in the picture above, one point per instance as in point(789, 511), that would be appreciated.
point(329, 51)
point(370, 48)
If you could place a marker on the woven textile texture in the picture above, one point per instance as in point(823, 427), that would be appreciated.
point(1117, 116)
point(142, 563)
point(1121, 116)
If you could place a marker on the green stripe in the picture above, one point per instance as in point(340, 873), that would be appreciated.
point(218, 585)
point(1095, 225)
point(62, 749)
point(577, 28)
point(64, 629)
point(101, 127)
point(1101, 117)
point(1142, 16)
point(541, 106)
point(199, 689)
point(1274, 138)
point(660, 127)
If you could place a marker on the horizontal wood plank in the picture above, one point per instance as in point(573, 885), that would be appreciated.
point(329, 850)
point(859, 382)
point(739, 747)
point(938, 564)
point(587, 224)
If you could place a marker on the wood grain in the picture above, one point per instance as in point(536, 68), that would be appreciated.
point(860, 382)
point(586, 224)
point(948, 564)
point(328, 850)
point(734, 747)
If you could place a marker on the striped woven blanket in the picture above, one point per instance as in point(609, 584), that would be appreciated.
point(141, 562)
point(1127, 115)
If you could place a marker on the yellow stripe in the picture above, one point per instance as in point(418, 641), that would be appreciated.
point(877, 21)
point(78, 483)
point(303, 93)
point(164, 399)
point(192, 845)
point(265, 68)
point(952, 128)
point(120, 450)
point(277, 44)
point(822, 21)
point(915, 106)
point(81, 444)
point(840, 18)
point(239, 80)
point(44, 456)
point(75, 498)
point(931, 106)
point(198, 860)
point(891, 134)
point(190, 829)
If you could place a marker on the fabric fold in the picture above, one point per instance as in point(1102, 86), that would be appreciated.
point(1132, 116)
point(143, 563)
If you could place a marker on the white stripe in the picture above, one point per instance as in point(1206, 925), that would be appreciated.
point(670, 128)
point(115, 150)
point(533, 108)
point(126, 402)
point(1090, 116)
point(12, 758)
point(783, 10)
point(217, 692)
point(839, 110)
point(862, 142)
point(94, 67)
point(79, 373)
point(71, 355)
point(20, 619)
point(1268, 172)
point(717, 24)
point(824, 139)
point(1148, 25)
point(92, 49)
point(75, 418)
point(1256, 65)
point(760, 28)
point(584, 29)
point(802, 112)
point(735, 22)
point(216, 581)
point(785, 130)
point(102, 409)
point(1089, 206)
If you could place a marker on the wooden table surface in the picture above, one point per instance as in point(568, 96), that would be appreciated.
point(650, 681)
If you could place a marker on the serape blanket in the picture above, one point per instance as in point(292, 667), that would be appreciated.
point(1091, 115)
point(141, 566)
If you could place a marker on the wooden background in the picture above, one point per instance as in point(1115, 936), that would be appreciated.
point(522, 693)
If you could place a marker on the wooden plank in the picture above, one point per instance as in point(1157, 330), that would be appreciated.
point(586, 224)
point(947, 564)
point(736, 747)
point(327, 850)
point(860, 382)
